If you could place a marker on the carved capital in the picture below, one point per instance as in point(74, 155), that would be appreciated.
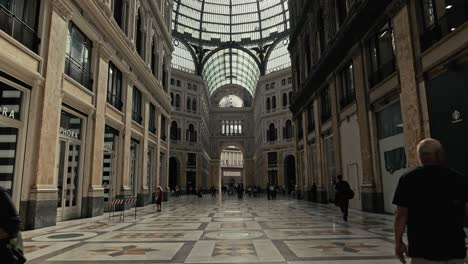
point(63, 9)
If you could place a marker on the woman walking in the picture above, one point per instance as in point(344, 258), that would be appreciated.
point(159, 199)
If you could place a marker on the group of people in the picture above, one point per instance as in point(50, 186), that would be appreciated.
point(431, 201)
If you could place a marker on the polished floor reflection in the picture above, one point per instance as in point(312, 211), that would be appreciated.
point(194, 230)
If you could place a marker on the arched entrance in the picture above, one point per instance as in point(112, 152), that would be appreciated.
point(174, 171)
point(231, 168)
point(290, 173)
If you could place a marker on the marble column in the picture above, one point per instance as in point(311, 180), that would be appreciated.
point(158, 153)
point(335, 107)
point(372, 198)
point(409, 96)
point(322, 193)
point(306, 159)
point(42, 207)
point(93, 201)
point(143, 190)
point(125, 189)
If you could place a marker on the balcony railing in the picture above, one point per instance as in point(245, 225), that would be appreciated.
point(454, 17)
point(137, 117)
point(383, 72)
point(78, 73)
point(115, 101)
point(347, 99)
point(18, 29)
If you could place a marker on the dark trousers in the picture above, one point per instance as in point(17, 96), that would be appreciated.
point(344, 204)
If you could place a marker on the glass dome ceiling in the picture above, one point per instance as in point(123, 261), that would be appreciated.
point(230, 42)
point(209, 22)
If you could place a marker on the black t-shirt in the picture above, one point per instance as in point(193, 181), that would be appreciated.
point(435, 197)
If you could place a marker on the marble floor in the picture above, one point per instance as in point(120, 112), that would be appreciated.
point(206, 230)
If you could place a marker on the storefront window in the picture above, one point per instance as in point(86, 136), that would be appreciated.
point(108, 176)
point(10, 102)
point(70, 126)
point(8, 144)
point(133, 166)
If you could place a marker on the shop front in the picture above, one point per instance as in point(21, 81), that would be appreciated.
point(14, 102)
point(109, 167)
point(70, 164)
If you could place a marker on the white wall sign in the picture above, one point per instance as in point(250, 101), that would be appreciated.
point(68, 133)
point(7, 112)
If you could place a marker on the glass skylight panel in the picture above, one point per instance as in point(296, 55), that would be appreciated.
point(279, 58)
point(181, 58)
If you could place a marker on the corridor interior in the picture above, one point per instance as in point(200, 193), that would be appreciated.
point(214, 230)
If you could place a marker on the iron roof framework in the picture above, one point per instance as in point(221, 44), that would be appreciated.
point(231, 41)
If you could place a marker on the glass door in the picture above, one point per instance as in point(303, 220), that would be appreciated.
point(133, 167)
point(108, 178)
point(68, 180)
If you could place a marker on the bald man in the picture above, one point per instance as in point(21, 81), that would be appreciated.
point(432, 203)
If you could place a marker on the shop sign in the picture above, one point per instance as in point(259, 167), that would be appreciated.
point(69, 133)
point(7, 112)
point(456, 117)
point(109, 145)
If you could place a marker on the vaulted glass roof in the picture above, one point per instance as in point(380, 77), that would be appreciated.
point(228, 41)
point(212, 21)
point(231, 66)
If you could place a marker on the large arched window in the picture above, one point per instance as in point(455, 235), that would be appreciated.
point(194, 105)
point(191, 134)
point(268, 104)
point(285, 100)
point(175, 131)
point(271, 133)
point(177, 101)
point(288, 130)
point(140, 38)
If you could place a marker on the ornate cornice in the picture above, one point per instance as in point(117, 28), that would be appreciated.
point(63, 8)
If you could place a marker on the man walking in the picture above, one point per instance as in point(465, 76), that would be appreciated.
point(432, 203)
point(342, 196)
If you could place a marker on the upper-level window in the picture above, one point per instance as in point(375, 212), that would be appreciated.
point(289, 80)
point(163, 127)
point(191, 134)
point(195, 87)
point(268, 104)
point(194, 105)
point(310, 118)
point(382, 56)
point(140, 35)
point(177, 101)
point(178, 83)
point(300, 127)
point(152, 119)
point(172, 81)
point(114, 87)
point(288, 130)
point(273, 102)
point(189, 104)
point(175, 131)
point(189, 86)
point(273, 85)
point(231, 127)
point(347, 85)
point(19, 19)
point(283, 82)
point(136, 106)
point(172, 99)
point(154, 59)
point(428, 12)
point(78, 57)
point(285, 100)
point(267, 86)
point(325, 102)
point(121, 11)
point(272, 133)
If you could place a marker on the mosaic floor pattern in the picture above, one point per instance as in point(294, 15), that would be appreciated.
point(206, 230)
